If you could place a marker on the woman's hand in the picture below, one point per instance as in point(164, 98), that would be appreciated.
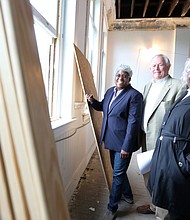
point(89, 97)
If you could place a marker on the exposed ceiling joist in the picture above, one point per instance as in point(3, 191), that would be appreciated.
point(186, 7)
point(145, 8)
point(172, 7)
point(159, 7)
point(132, 7)
point(119, 8)
point(147, 15)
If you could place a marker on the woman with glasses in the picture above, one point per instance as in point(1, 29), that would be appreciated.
point(122, 113)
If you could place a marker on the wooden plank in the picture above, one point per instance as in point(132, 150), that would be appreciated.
point(13, 179)
point(145, 8)
point(27, 142)
point(186, 7)
point(161, 2)
point(87, 82)
point(119, 9)
point(6, 211)
point(132, 8)
point(172, 6)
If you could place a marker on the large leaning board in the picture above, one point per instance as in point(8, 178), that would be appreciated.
point(87, 82)
point(31, 186)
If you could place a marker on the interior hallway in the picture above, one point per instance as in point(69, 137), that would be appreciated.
point(89, 200)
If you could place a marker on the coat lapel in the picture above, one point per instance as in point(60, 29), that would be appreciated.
point(186, 101)
point(147, 88)
point(109, 100)
point(161, 95)
point(118, 98)
point(176, 103)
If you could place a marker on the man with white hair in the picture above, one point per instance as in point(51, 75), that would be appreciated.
point(122, 114)
point(159, 94)
point(169, 179)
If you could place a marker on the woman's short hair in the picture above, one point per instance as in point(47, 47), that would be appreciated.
point(186, 71)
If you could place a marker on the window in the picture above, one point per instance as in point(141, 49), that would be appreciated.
point(55, 35)
point(47, 9)
point(97, 43)
point(45, 13)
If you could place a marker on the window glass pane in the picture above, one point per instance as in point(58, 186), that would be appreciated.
point(44, 43)
point(93, 39)
point(48, 9)
point(45, 15)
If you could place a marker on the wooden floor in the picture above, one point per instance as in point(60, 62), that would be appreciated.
point(89, 201)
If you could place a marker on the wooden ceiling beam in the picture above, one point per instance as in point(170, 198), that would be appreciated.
point(172, 7)
point(186, 7)
point(145, 8)
point(161, 2)
point(119, 9)
point(132, 8)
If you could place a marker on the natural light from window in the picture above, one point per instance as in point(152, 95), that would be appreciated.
point(48, 9)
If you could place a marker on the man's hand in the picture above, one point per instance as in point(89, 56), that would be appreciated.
point(124, 154)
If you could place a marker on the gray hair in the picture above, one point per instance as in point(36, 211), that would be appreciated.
point(125, 68)
point(186, 71)
point(165, 58)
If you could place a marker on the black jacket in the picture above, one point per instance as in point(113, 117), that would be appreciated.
point(169, 180)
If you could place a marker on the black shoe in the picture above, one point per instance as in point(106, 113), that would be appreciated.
point(145, 209)
point(109, 215)
point(127, 199)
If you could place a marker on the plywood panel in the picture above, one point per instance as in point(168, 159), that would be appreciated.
point(33, 189)
point(87, 81)
point(5, 206)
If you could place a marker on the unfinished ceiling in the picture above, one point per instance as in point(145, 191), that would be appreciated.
point(147, 14)
point(127, 9)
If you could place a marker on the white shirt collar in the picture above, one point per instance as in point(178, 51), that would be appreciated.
point(160, 80)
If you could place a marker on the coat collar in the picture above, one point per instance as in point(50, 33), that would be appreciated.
point(118, 98)
point(185, 101)
point(164, 91)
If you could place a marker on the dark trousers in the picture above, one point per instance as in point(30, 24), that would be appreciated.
point(120, 182)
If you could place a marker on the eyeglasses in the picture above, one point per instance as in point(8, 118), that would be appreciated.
point(124, 76)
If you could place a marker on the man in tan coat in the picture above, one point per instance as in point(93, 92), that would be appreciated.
point(159, 95)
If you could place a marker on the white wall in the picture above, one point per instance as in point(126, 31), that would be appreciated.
point(136, 48)
point(75, 144)
point(182, 50)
